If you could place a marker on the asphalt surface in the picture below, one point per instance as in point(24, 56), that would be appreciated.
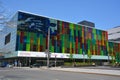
point(91, 70)
point(48, 74)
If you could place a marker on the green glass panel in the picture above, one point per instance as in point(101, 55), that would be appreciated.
point(52, 48)
point(58, 49)
point(21, 46)
point(63, 50)
point(95, 36)
point(76, 31)
point(102, 53)
point(71, 26)
point(28, 47)
point(80, 51)
point(93, 30)
point(88, 51)
point(73, 44)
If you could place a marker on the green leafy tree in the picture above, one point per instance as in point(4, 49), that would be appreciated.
point(89, 57)
point(72, 59)
point(117, 58)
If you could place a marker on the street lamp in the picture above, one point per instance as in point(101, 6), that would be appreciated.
point(48, 54)
point(47, 51)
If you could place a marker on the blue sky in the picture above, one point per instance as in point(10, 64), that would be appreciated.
point(104, 13)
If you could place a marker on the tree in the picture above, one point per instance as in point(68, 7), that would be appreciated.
point(71, 56)
point(117, 57)
point(72, 59)
point(113, 58)
point(89, 57)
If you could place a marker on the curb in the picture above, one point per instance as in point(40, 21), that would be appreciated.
point(86, 72)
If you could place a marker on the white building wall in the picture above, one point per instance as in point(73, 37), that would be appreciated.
point(9, 47)
point(9, 28)
point(1, 40)
point(114, 34)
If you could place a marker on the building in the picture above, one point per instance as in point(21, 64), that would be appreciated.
point(27, 40)
point(87, 23)
point(114, 51)
point(114, 42)
point(114, 34)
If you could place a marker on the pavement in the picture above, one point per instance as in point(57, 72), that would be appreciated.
point(89, 70)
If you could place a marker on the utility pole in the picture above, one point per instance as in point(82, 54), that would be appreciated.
point(48, 52)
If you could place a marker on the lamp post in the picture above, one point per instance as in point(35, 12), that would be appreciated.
point(48, 49)
point(48, 52)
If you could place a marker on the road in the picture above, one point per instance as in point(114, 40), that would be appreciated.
point(46, 74)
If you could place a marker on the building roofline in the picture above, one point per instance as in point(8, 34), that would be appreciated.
point(113, 28)
point(58, 19)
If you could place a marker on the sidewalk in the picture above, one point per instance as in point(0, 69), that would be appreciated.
point(112, 72)
point(92, 71)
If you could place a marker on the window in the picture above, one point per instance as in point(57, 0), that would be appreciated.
point(7, 38)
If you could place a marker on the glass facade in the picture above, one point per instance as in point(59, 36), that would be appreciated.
point(114, 51)
point(65, 37)
point(28, 40)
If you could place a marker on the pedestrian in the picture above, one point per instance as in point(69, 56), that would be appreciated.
point(15, 63)
point(20, 64)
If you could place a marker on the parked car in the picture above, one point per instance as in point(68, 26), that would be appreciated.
point(10, 65)
point(3, 65)
point(35, 65)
